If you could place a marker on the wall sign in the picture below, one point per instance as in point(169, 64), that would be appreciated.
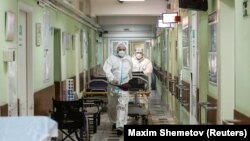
point(185, 43)
point(10, 18)
point(212, 51)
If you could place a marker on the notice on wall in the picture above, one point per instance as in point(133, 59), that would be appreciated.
point(212, 51)
point(46, 29)
point(46, 66)
point(185, 43)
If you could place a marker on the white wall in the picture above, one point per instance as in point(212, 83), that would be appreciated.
point(111, 7)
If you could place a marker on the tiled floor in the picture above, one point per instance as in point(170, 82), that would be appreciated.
point(157, 115)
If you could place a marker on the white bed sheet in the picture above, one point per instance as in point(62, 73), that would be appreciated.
point(27, 128)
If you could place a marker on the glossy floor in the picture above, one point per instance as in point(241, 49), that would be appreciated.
point(158, 115)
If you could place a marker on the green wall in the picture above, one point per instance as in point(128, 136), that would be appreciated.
point(92, 49)
point(68, 62)
point(38, 51)
point(6, 5)
point(242, 57)
point(57, 20)
point(203, 56)
point(66, 24)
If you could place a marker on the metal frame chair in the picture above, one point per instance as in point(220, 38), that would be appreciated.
point(70, 117)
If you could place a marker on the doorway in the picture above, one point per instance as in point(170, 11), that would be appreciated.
point(25, 61)
point(57, 63)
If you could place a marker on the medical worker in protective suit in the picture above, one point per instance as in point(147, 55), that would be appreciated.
point(118, 70)
point(141, 63)
point(144, 65)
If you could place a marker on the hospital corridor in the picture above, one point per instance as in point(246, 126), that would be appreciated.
point(118, 70)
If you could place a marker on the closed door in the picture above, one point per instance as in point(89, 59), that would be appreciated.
point(24, 64)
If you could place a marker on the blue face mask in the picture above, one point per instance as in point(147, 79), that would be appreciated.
point(121, 53)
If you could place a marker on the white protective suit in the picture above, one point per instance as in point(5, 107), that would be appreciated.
point(142, 64)
point(118, 69)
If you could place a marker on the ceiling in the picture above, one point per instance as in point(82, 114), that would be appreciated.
point(127, 19)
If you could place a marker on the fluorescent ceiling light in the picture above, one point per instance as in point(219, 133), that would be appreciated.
point(131, 0)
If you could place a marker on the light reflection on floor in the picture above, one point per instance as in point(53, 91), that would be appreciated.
point(158, 115)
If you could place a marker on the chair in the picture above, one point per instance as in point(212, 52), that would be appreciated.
point(70, 118)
